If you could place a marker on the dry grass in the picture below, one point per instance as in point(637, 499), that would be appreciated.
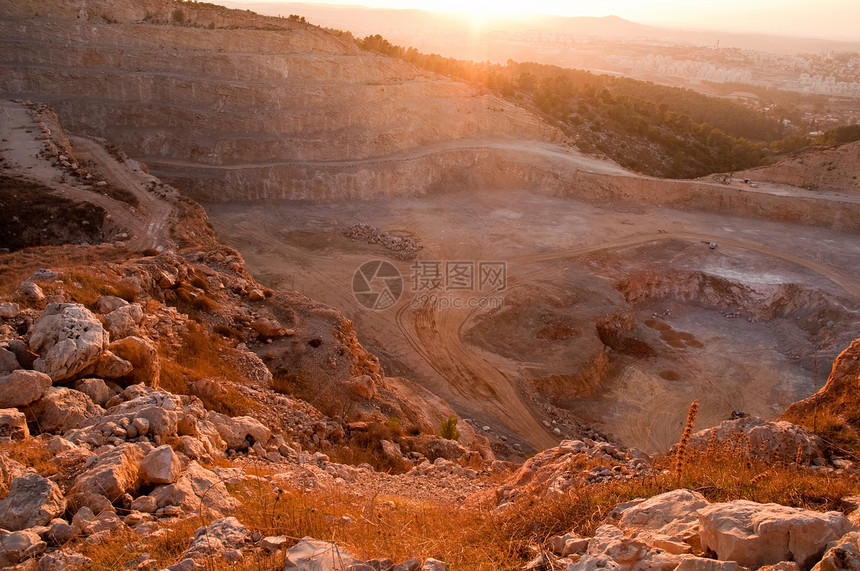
point(202, 356)
point(371, 525)
point(32, 453)
point(365, 448)
point(18, 266)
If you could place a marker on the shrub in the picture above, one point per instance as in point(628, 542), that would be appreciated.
point(178, 16)
point(448, 429)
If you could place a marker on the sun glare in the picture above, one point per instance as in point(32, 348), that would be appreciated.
point(482, 10)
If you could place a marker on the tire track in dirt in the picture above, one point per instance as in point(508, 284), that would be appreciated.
point(436, 335)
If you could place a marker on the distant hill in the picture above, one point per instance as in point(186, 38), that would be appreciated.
point(422, 27)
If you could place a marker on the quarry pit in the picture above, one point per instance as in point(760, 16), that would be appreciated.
point(611, 316)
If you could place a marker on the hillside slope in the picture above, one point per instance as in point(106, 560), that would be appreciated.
point(827, 169)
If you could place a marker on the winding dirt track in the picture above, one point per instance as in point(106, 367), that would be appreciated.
point(150, 227)
point(436, 335)
point(147, 224)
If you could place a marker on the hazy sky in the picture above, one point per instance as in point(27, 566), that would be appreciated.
point(834, 19)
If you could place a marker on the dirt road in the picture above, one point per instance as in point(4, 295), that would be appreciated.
point(21, 148)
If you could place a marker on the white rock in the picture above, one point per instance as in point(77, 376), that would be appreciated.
point(61, 409)
point(610, 548)
point(98, 391)
point(217, 539)
point(764, 534)
point(114, 474)
point(239, 432)
point(20, 388)
point(666, 521)
point(197, 487)
point(841, 555)
point(9, 310)
point(124, 321)
point(13, 425)
point(161, 466)
point(108, 303)
point(68, 338)
point(19, 546)
point(32, 501)
point(313, 555)
point(63, 561)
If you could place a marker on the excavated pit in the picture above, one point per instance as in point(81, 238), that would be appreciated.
point(614, 317)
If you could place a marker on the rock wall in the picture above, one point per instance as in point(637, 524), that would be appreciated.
point(246, 91)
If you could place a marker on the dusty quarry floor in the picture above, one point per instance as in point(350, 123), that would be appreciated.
point(692, 322)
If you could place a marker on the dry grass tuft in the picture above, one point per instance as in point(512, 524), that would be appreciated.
point(31, 453)
point(201, 355)
point(681, 453)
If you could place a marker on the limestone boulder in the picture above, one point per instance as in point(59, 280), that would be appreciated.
point(8, 361)
point(32, 501)
point(196, 488)
point(314, 555)
point(20, 387)
point(610, 548)
point(61, 409)
point(124, 321)
point(161, 466)
point(755, 534)
point(108, 366)
point(68, 338)
point(30, 293)
point(19, 546)
point(63, 561)
point(212, 541)
point(13, 425)
point(841, 555)
point(109, 303)
point(9, 310)
point(669, 521)
point(97, 389)
point(143, 355)
point(240, 432)
point(113, 474)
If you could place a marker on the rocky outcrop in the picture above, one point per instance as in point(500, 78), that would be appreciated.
point(19, 546)
point(61, 409)
point(114, 473)
point(768, 441)
point(553, 472)
point(21, 387)
point(681, 530)
point(32, 501)
point(754, 535)
point(68, 338)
